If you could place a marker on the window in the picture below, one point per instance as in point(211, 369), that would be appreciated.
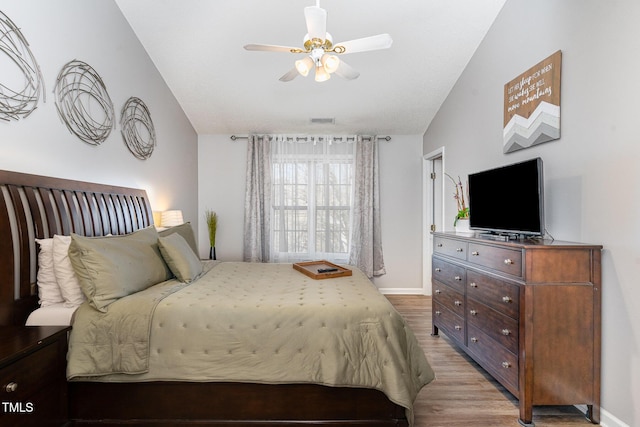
point(312, 198)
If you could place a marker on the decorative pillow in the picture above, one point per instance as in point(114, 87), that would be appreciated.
point(48, 289)
point(186, 231)
point(110, 268)
point(65, 275)
point(177, 253)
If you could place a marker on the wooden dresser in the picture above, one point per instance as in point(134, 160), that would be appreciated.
point(527, 311)
point(32, 375)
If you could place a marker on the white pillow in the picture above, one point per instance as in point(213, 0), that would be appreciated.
point(65, 275)
point(48, 289)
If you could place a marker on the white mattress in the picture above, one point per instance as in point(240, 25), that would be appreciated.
point(52, 315)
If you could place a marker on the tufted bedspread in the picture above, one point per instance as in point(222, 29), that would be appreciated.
point(251, 322)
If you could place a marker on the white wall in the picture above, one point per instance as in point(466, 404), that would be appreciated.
point(95, 32)
point(221, 166)
point(592, 176)
point(221, 176)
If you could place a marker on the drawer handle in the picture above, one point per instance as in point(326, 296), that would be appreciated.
point(506, 365)
point(438, 269)
point(439, 245)
point(457, 327)
point(438, 313)
point(474, 339)
point(458, 278)
point(11, 387)
point(473, 312)
point(475, 253)
point(459, 249)
point(438, 291)
point(506, 332)
point(458, 303)
point(508, 261)
point(473, 285)
point(506, 299)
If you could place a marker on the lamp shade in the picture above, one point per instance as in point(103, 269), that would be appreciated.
point(304, 66)
point(321, 74)
point(330, 62)
point(171, 218)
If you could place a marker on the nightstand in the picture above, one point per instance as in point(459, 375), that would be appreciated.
point(32, 375)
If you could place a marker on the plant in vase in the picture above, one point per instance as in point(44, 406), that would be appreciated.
point(212, 225)
point(463, 210)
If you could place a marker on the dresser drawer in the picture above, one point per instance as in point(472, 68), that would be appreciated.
point(450, 247)
point(502, 259)
point(449, 297)
point(497, 294)
point(447, 321)
point(501, 328)
point(449, 274)
point(496, 359)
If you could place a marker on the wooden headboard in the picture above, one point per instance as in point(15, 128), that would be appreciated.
point(33, 206)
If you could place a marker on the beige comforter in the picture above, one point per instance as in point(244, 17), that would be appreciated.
point(261, 323)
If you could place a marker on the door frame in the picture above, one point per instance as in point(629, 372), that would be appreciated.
point(428, 211)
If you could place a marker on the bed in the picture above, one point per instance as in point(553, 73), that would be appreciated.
point(332, 371)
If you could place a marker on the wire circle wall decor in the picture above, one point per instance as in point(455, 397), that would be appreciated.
point(16, 102)
point(137, 128)
point(83, 103)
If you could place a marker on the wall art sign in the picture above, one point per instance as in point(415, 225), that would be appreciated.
point(532, 106)
point(21, 82)
point(83, 103)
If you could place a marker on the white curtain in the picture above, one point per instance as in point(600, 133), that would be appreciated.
point(257, 204)
point(312, 198)
point(366, 241)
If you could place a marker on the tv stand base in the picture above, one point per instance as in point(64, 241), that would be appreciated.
point(499, 237)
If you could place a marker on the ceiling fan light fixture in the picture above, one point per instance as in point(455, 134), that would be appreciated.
point(321, 74)
point(304, 66)
point(330, 63)
point(320, 51)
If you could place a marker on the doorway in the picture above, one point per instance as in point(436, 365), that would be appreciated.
point(433, 209)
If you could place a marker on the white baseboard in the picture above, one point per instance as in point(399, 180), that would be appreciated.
point(607, 419)
point(401, 291)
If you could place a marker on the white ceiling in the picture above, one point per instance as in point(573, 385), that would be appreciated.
point(197, 46)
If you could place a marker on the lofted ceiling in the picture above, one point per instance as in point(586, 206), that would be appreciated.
point(197, 46)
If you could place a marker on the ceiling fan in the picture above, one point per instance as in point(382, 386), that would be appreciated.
point(321, 54)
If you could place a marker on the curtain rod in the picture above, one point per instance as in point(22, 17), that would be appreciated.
point(320, 138)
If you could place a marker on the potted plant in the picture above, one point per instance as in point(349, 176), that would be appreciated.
point(461, 222)
point(212, 225)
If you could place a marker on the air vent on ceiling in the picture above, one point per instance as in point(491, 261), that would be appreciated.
point(323, 120)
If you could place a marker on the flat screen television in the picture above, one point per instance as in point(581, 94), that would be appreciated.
point(508, 200)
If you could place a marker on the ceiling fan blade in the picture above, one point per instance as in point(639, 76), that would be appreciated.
point(346, 71)
point(290, 75)
point(381, 41)
point(316, 18)
point(270, 48)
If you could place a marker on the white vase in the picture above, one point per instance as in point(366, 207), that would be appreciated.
point(462, 226)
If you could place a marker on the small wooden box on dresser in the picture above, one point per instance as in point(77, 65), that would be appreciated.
point(527, 311)
point(32, 375)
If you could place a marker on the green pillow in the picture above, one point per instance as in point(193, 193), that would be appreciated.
point(110, 268)
point(186, 231)
point(184, 264)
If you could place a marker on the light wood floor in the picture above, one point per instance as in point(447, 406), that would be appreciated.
point(463, 394)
